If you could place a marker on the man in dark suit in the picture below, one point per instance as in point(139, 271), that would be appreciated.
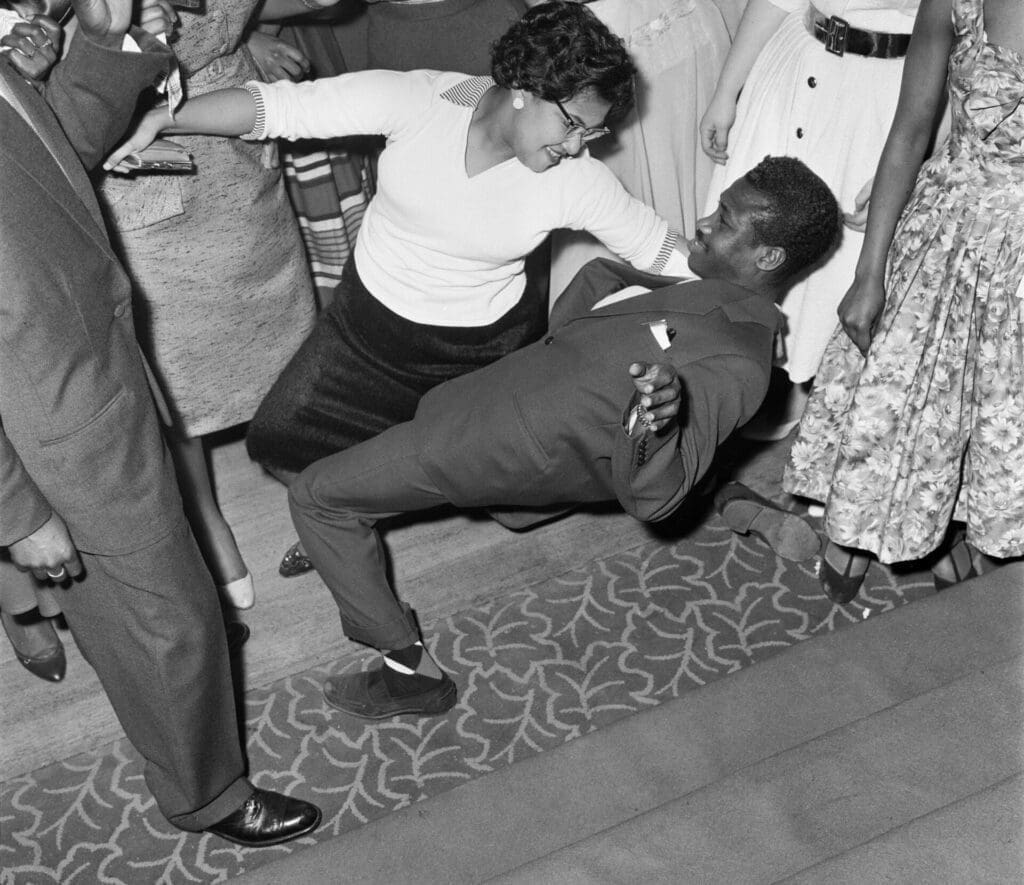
point(627, 398)
point(88, 498)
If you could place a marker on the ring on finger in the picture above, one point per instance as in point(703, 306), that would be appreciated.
point(57, 575)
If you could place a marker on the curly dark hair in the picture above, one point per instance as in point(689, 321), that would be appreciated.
point(558, 50)
point(802, 216)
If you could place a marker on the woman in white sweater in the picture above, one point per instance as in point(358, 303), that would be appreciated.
point(436, 287)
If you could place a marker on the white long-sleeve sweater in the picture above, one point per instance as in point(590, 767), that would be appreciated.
point(437, 246)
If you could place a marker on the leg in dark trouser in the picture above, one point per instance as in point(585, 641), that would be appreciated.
point(150, 625)
point(336, 504)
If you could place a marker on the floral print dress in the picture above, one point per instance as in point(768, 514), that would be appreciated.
point(930, 426)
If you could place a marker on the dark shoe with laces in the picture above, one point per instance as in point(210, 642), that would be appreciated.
point(368, 696)
point(294, 562)
point(267, 818)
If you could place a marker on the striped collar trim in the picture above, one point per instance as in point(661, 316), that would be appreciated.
point(467, 93)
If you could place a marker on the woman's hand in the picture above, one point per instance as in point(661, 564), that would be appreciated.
point(715, 126)
point(34, 46)
point(157, 17)
point(860, 310)
point(276, 59)
point(858, 218)
point(147, 131)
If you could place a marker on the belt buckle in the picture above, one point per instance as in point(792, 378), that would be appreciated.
point(835, 38)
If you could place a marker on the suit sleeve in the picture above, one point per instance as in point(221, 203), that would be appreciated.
point(23, 508)
point(93, 91)
point(652, 473)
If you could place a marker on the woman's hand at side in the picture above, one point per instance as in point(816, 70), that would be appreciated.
point(860, 310)
point(715, 126)
point(144, 134)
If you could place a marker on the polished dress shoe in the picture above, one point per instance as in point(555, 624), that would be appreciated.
point(368, 696)
point(748, 513)
point(294, 562)
point(267, 818)
point(50, 664)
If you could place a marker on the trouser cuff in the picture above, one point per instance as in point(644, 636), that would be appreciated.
point(397, 633)
point(230, 800)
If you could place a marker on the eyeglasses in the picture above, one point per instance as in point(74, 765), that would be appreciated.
point(574, 129)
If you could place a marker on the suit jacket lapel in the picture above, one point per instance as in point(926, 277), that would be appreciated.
point(32, 110)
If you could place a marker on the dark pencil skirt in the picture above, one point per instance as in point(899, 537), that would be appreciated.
point(364, 368)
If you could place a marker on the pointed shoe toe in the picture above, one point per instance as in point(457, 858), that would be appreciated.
point(240, 593)
point(294, 562)
point(268, 818)
point(50, 666)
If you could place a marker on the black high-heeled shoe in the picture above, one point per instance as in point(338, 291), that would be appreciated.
point(843, 586)
point(294, 562)
point(960, 561)
point(51, 665)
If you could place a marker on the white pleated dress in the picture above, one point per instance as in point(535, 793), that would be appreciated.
point(833, 113)
point(678, 46)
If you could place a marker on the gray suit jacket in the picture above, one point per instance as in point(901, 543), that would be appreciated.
point(544, 426)
point(78, 431)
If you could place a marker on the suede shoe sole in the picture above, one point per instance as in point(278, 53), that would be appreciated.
point(367, 696)
point(748, 513)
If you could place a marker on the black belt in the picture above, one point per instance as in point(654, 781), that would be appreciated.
point(839, 38)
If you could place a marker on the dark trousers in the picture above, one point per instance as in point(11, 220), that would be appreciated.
point(364, 369)
point(336, 504)
point(150, 624)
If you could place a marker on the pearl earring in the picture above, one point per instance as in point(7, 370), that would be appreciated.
point(517, 101)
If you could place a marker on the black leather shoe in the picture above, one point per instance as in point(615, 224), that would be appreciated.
point(842, 586)
point(50, 666)
point(294, 562)
point(237, 635)
point(368, 696)
point(267, 818)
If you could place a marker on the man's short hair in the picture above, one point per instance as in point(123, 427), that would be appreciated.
point(802, 215)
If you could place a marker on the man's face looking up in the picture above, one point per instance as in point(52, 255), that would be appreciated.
point(726, 246)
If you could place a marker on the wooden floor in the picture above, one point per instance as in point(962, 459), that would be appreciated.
point(440, 564)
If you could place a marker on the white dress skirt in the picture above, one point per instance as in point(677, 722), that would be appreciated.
point(834, 113)
point(678, 46)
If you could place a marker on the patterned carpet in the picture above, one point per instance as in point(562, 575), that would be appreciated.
point(536, 668)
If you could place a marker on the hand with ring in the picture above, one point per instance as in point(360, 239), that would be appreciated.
point(48, 552)
point(33, 46)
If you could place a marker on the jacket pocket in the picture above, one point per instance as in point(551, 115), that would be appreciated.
point(97, 417)
point(141, 201)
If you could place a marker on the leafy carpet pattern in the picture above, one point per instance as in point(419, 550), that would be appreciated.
point(546, 664)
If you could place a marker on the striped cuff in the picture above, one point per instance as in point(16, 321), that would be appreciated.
point(259, 127)
point(668, 246)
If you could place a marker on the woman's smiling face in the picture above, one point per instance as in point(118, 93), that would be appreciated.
point(541, 135)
